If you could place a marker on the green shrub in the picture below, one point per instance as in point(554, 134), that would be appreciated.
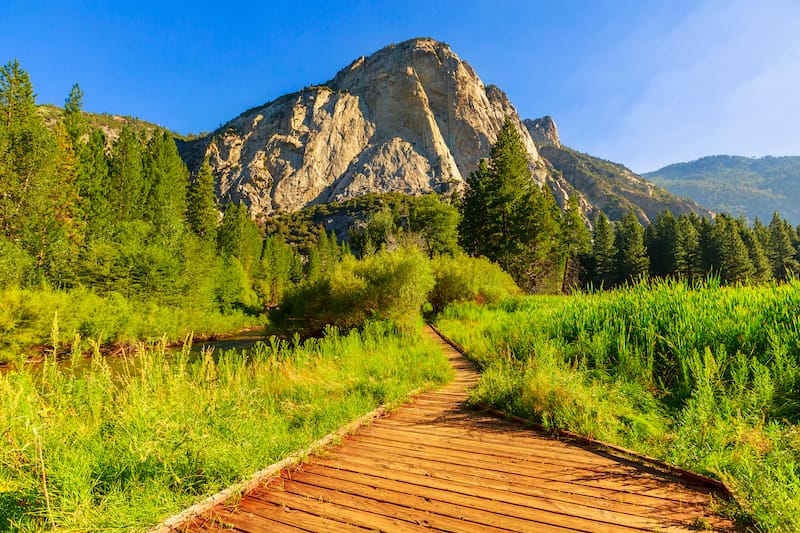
point(16, 266)
point(388, 285)
point(463, 278)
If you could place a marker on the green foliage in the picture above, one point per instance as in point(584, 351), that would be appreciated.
point(166, 180)
point(462, 278)
point(436, 222)
point(376, 233)
point(16, 266)
point(124, 449)
point(604, 252)
point(86, 320)
point(127, 191)
point(704, 377)
point(92, 183)
point(389, 285)
point(74, 120)
point(202, 213)
point(238, 235)
point(507, 218)
point(782, 252)
point(632, 260)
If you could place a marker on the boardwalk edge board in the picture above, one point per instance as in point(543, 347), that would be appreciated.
point(173, 523)
point(673, 469)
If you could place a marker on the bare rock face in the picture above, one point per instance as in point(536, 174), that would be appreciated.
point(543, 131)
point(412, 117)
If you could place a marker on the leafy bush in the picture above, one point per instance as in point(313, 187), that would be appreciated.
point(388, 285)
point(463, 278)
point(16, 266)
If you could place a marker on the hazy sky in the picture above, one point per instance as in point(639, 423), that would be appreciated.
point(644, 83)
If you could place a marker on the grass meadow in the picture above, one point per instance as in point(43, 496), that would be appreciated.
point(705, 377)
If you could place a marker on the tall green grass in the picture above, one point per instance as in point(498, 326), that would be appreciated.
point(45, 316)
point(707, 378)
point(125, 450)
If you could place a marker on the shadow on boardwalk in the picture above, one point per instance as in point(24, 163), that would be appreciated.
point(434, 464)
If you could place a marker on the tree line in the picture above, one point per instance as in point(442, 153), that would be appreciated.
point(509, 219)
point(120, 213)
point(692, 248)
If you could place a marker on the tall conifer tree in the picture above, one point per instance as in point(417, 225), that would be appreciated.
point(202, 212)
point(632, 260)
point(508, 218)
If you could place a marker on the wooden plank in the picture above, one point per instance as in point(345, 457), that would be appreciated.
point(271, 512)
point(628, 503)
point(463, 511)
point(588, 477)
point(518, 448)
point(537, 510)
point(247, 522)
point(486, 454)
point(339, 493)
point(526, 486)
point(362, 518)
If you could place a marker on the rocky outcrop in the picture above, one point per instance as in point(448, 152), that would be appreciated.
point(543, 131)
point(412, 117)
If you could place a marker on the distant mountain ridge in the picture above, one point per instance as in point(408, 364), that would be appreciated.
point(752, 187)
point(412, 118)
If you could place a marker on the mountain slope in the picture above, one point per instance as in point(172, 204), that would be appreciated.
point(606, 186)
point(738, 185)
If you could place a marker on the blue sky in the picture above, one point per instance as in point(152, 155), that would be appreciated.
point(644, 83)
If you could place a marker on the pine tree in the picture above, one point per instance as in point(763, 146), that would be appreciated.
point(508, 218)
point(74, 120)
point(278, 263)
point(238, 236)
point(734, 264)
point(604, 252)
point(661, 240)
point(576, 241)
point(688, 257)
point(762, 270)
point(781, 253)
point(128, 190)
point(632, 261)
point(167, 182)
point(202, 212)
point(29, 173)
point(93, 187)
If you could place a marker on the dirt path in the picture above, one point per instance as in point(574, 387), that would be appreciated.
point(433, 464)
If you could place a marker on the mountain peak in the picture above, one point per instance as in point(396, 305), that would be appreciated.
point(543, 131)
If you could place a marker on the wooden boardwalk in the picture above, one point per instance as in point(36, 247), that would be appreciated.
point(434, 465)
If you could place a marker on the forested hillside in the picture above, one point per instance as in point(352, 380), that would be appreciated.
point(752, 187)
